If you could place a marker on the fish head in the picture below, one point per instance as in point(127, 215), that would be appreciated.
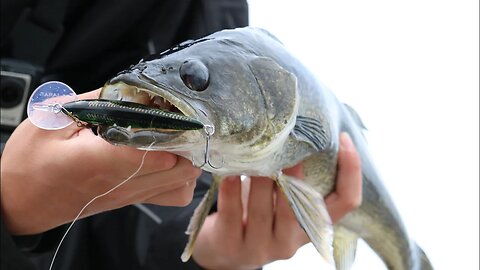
point(248, 99)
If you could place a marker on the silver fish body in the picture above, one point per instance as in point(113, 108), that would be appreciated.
point(268, 112)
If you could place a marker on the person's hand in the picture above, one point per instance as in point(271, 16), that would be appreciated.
point(270, 230)
point(48, 176)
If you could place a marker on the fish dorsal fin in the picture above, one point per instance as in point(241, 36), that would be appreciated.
point(311, 131)
point(279, 89)
point(355, 116)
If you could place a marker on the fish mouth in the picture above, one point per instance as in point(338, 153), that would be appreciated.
point(159, 99)
point(163, 100)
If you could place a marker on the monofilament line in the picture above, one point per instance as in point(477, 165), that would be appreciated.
point(92, 200)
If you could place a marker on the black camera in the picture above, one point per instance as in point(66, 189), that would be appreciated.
point(17, 82)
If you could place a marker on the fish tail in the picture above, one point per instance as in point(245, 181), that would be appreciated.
point(311, 212)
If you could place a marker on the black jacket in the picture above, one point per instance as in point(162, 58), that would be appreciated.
point(99, 39)
point(102, 37)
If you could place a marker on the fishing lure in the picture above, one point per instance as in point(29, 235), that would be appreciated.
point(54, 105)
point(100, 112)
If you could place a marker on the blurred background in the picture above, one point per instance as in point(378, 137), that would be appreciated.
point(411, 70)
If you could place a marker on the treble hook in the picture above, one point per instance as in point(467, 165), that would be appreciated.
point(209, 130)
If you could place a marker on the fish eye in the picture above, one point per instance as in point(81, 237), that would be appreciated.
point(194, 75)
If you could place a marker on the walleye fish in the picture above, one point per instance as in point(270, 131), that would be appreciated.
point(263, 111)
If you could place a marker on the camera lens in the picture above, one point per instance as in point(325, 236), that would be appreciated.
point(12, 91)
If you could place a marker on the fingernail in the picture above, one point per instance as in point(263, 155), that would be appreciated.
point(231, 178)
point(346, 141)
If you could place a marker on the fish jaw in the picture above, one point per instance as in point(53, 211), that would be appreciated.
point(149, 138)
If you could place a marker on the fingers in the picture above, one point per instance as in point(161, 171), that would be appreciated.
point(287, 231)
point(90, 95)
point(183, 171)
point(222, 232)
point(153, 185)
point(295, 171)
point(229, 207)
point(260, 213)
point(130, 158)
point(271, 223)
point(180, 196)
point(103, 156)
point(107, 165)
point(348, 192)
point(271, 230)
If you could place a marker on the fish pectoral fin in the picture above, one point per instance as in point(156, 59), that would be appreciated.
point(311, 212)
point(344, 248)
point(311, 131)
point(198, 218)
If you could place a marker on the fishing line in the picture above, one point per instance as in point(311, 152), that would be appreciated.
point(99, 196)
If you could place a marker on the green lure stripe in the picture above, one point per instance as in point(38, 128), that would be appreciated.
point(101, 112)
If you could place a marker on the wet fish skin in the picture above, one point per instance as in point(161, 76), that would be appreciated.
point(270, 112)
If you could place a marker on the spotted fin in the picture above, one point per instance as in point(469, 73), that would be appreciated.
point(311, 212)
point(198, 218)
point(311, 131)
point(344, 248)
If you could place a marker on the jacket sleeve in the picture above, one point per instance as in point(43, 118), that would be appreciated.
point(168, 240)
point(12, 255)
